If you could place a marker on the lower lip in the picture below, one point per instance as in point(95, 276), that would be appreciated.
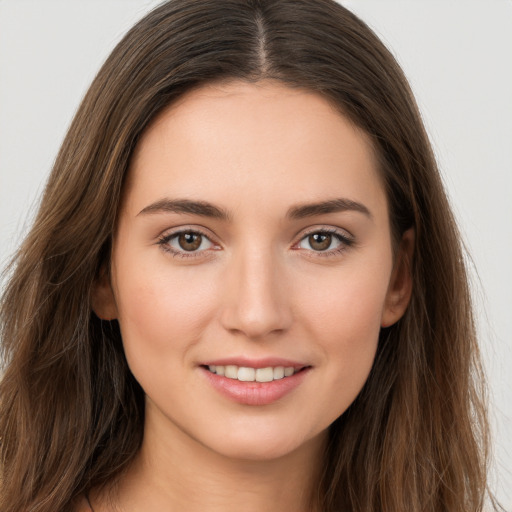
point(255, 393)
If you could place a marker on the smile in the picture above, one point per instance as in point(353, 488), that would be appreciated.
point(248, 374)
point(248, 385)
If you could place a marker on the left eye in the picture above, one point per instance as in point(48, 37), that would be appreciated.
point(321, 241)
point(187, 241)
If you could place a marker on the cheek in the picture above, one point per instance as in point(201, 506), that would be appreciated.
point(344, 320)
point(161, 313)
point(347, 303)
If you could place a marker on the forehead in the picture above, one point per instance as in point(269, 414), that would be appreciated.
point(252, 139)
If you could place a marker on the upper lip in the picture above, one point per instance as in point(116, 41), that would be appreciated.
point(264, 362)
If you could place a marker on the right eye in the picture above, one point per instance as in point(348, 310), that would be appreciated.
point(186, 243)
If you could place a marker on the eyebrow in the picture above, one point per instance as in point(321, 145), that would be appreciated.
point(206, 209)
point(202, 208)
point(323, 207)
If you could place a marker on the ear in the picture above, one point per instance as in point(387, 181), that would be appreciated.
point(102, 298)
point(400, 286)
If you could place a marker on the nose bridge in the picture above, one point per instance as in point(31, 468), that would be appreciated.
point(256, 302)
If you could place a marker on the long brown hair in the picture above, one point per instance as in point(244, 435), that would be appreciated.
point(71, 413)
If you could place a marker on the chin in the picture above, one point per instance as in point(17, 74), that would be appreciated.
point(258, 445)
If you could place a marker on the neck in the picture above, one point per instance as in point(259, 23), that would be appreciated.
point(178, 473)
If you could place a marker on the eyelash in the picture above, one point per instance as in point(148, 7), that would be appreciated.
point(164, 240)
point(345, 241)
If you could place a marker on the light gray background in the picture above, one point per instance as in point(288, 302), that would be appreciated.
point(457, 55)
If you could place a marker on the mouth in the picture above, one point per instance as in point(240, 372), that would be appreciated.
point(261, 384)
point(250, 374)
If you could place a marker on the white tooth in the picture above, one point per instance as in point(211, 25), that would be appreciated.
point(212, 368)
point(231, 371)
point(246, 374)
point(289, 371)
point(265, 374)
point(219, 370)
point(278, 372)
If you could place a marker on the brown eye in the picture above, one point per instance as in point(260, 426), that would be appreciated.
point(326, 242)
point(190, 241)
point(320, 241)
point(187, 243)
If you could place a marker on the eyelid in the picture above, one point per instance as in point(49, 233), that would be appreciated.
point(196, 228)
point(345, 237)
point(166, 236)
point(322, 228)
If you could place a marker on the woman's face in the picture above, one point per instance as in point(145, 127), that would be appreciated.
point(254, 239)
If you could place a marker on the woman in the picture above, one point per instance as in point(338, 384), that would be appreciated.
point(244, 287)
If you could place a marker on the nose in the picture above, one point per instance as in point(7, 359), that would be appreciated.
point(256, 302)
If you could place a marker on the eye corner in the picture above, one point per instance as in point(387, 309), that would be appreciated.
point(342, 239)
point(201, 244)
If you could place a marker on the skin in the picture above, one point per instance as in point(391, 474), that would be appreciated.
point(257, 287)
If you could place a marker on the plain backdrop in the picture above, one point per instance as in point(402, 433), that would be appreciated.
point(457, 55)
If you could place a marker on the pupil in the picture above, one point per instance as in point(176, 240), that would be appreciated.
point(189, 241)
point(320, 241)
